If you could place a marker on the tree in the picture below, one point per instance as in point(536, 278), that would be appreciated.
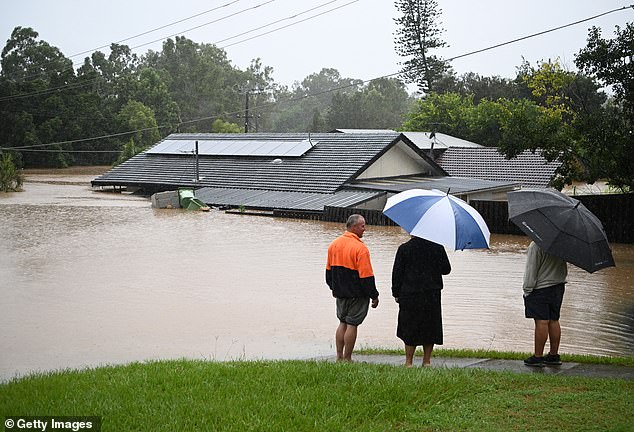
point(318, 124)
point(306, 105)
point(259, 80)
point(34, 64)
point(567, 100)
point(511, 125)
point(382, 104)
point(609, 132)
point(114, 76)
point(447, 113)
point(386, 103)
point(139, 119)
point(611, 62)
point(548, 85)
point(221, 126)
point(130, 149)
point(419, 33)
point(200, 79)
point(606, 147)
point(33, 69)
point(151, 90)
point(11, 179)
point(479, 87)
point(346, 112)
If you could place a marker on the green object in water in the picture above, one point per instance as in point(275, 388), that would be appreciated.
point(189, 201)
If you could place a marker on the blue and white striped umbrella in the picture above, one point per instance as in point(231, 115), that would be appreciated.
point(438, 217)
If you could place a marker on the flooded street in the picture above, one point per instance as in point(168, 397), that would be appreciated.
point(90, 278)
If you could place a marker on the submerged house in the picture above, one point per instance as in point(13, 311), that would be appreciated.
point(290, 171)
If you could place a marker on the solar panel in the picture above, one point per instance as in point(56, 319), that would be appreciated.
point(233, 147)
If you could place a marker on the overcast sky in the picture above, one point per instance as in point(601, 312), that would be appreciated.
point(356, 38)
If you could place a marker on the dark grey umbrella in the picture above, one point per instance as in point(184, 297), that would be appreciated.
point(561, 226)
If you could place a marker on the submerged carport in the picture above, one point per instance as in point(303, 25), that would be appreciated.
point(258, 199)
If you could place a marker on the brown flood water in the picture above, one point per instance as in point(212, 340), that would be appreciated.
point(90, 278)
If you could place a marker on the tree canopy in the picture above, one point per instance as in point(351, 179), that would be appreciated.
point(116, 104)
point(608, 132)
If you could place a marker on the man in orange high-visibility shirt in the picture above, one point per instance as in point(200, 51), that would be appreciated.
point(351, 279)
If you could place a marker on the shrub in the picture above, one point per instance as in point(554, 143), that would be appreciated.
point(11, 179)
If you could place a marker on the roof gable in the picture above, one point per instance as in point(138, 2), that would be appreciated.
point(401, 158)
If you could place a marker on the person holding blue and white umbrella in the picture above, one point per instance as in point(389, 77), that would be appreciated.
point(416, 286)
point(439, 217)
point(435, 220)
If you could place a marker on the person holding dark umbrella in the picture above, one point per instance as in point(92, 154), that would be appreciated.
point(544, 282)
point(563, 231)
point(416, 284)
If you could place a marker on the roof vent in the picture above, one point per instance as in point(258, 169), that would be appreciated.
point(277, 161)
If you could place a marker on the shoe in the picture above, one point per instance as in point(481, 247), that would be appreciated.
point(534, 361)
point(552, 359)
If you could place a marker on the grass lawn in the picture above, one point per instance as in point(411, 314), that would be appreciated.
point(184, 395)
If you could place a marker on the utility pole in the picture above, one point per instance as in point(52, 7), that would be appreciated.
point(246, 112)
point(197, 168)
point(248, 116)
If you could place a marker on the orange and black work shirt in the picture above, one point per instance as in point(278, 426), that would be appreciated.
point(348, 269)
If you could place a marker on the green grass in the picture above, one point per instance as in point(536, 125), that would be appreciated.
point(505, 355)
point(193, 395)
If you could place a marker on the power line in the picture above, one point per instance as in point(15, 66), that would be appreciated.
point(201, 25)
point(61, 151)
point(20, 148)
point(205, 24)
point(50, 90)
point(275, 22)
point(86, 83)
point(539, 33)
point(51, 114)
point(158, 28)
point(136, 36)
point(269, 104)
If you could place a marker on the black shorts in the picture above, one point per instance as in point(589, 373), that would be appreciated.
point(544, 303)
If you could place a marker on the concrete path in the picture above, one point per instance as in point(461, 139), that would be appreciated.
point(566, 369)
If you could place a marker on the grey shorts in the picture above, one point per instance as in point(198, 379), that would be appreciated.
point(352, 310)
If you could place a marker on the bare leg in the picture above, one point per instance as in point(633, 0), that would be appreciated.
point(350, 338)
point(427, 349)
point(541, 335)
point(554, 334)
point(339, 339)
point(409, 355)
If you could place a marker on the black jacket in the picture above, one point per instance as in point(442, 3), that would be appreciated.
point(419, 266)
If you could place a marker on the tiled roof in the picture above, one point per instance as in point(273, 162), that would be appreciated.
point(334, 159)
point(529, 169)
